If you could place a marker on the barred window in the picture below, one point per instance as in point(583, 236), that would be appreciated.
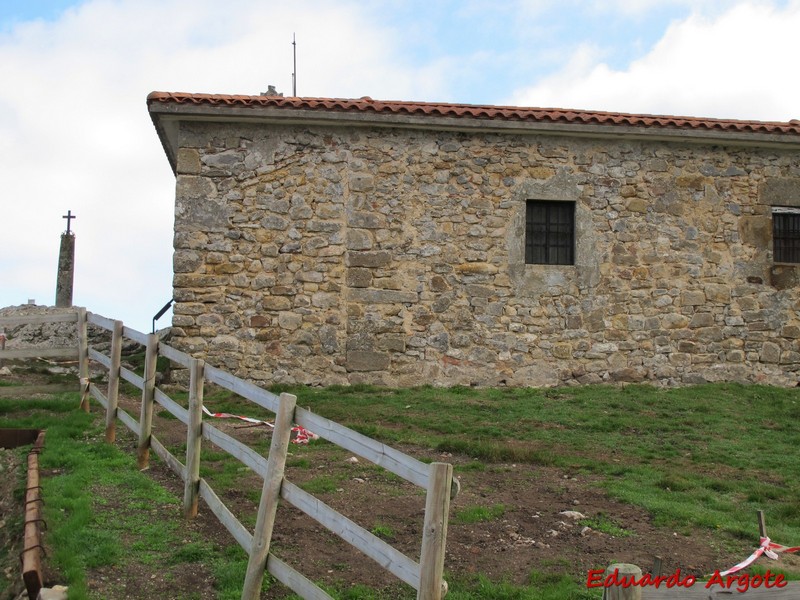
point(550, 232)
point(786, 234)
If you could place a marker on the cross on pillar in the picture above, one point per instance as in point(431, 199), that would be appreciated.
point(69, 216)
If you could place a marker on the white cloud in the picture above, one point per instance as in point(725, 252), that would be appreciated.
point(739, 64)
point(75, 133)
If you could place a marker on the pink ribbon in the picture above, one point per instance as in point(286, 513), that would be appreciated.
point(302, 435)
point(768, 547)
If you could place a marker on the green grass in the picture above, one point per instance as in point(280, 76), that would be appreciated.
point(382, 531)
point(478, 514)
point(541, 586)
point(703, 457)
point(140, 521)
point(321, 484)
point(604, 524)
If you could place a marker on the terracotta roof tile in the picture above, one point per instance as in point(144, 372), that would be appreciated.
point(506, 113)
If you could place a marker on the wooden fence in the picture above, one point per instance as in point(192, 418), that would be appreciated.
point(426, 576)
point(66, 316)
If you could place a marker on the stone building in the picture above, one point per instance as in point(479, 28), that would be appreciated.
point(343, 241)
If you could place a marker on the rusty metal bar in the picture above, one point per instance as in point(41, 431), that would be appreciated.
point(31, 555)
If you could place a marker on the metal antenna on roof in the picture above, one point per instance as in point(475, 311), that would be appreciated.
point(294, 72)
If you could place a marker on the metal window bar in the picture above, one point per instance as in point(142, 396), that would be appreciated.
point(550, 232)
point(786, 237)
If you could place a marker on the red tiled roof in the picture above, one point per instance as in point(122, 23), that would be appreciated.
point(505, 113)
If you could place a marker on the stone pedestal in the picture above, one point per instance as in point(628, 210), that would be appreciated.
point(66, 271)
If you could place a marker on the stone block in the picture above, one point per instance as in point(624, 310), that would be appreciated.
point(193, 280)
point(359, 277)
point(260, 321)
point(372, 296)
point(781, 191)
point(539, 375)
point(629, 375)
point(479, 291)
point(756, 230)
point(276, 303)
point(358, 239)
point(680, 359)
point(186, 261)
point(182, 321)
point(594, 320)
point(361, 182)
point(770, 352)
point(735, 356)
point(328, 339)
point(790, 357)
point(717, 293)
point(392, 343)
point(289, 321)
point(212, 320)
point(703, 319)
point(229, 268)
point(188, 161)
point(368, 259)
point(361, 360)
point(366, 220)
point(693, 298)
point(442, 303)
point(674, 321)
point(783, 277)
point(224, 342)
point(791, 331)
point(438, 284)
point(637, 205)
point(324, 300)
point(261, 281)
point(476, 268)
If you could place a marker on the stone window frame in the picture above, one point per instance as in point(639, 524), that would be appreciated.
point(780, 254)
point(529, 280)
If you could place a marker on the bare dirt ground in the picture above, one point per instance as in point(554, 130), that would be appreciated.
point(529, 533)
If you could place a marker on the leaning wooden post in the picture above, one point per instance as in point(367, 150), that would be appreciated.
point(194, 436)
point(113, 382)
point(432, 586)
point(83, 357)
point(270, 494)
point(148, 395)
point(762, 526)
point(624, 570)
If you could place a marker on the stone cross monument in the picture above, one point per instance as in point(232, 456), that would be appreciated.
point(66, 265)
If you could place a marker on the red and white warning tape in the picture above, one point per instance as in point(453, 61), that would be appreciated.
point(768, 547)
point(302, 435)
point(241, 418)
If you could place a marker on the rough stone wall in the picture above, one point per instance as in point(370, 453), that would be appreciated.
point(396, 257)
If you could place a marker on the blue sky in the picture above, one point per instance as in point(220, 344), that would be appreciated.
point(75, 133)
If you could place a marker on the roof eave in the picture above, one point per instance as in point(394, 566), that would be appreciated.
point(166, 117)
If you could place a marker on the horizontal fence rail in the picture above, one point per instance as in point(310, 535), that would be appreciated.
point(426, 576)
point(70, 316)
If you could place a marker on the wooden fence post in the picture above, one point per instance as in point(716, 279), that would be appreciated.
point(633, 592)
point(148, 396)
point(113, 382)
point(194, 436)
point(434, 534)
point(83, 357)
point(270, 494)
